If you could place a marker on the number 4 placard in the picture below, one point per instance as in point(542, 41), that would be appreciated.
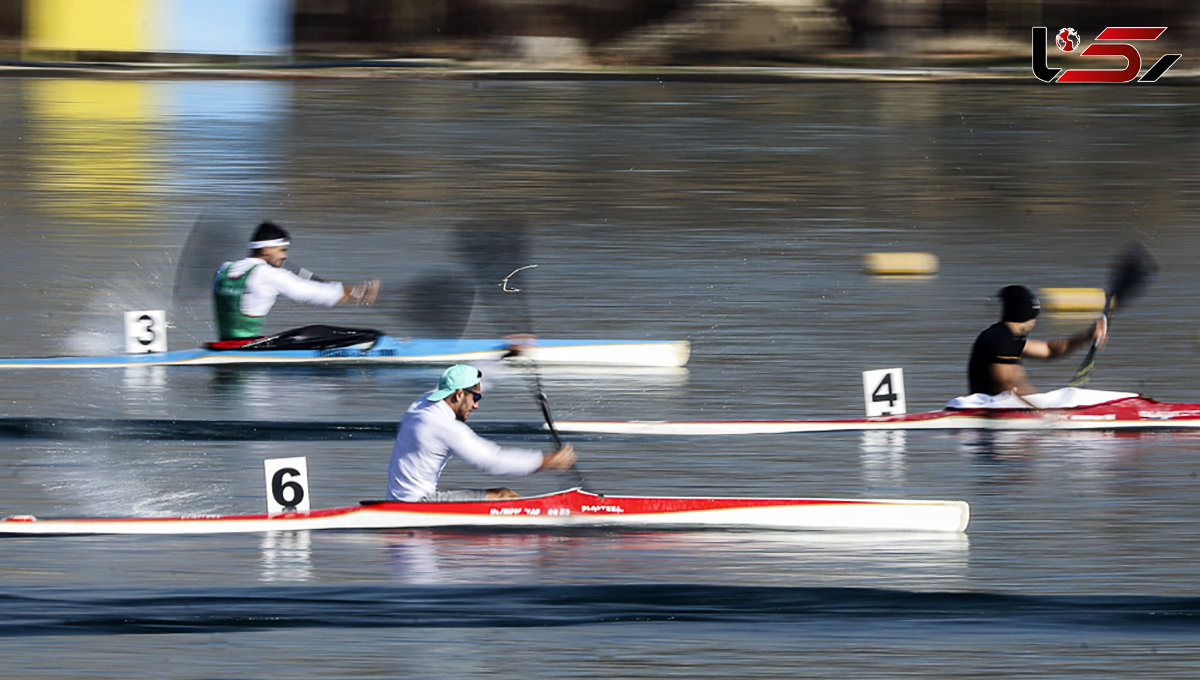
point(883, 390)
point(287, 484)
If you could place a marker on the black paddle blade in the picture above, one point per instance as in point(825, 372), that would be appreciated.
point(212, 240)
point(1132, 270)
point(491, 250)
point(435, 304)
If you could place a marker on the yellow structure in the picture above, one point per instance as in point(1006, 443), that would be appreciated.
point(99, 25)
point(208, 27)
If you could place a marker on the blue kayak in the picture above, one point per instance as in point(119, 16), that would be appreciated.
point(389, 350)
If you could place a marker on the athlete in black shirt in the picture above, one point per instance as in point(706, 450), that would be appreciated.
point(995, 364)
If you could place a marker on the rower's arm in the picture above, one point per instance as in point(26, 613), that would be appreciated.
point(1039, 349)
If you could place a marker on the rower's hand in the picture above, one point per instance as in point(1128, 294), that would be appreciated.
point(1100, 331)
point(519, 342)
point(364, 293)
point(562, 459)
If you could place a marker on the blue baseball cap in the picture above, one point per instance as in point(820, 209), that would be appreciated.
point(457, 377)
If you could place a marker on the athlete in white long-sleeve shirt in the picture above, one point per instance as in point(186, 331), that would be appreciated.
point(434, 429)
point(246, 289)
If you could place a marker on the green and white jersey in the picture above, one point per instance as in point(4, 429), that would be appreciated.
point(245, 290)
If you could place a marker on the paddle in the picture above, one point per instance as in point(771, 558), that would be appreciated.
point(212, 240)
point(490, 251)
point(1132, 269)
point(539, 391)
point(495, 251)
point(438, 303)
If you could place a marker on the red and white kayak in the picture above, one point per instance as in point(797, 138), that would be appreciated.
point(573, 508)
point(1099, 411)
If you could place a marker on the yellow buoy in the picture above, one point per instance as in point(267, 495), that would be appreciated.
point(1072, 299)
point(900, 263)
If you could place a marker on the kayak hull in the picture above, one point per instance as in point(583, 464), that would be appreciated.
point(1128, 413)
point(569, 509)
point(388, 350)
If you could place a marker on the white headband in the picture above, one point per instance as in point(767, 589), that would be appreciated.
point(255, 245)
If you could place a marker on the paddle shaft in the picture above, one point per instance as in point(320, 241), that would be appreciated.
point(1084, 372)
point(545, 404)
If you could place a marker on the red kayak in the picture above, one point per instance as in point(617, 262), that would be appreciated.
point(573, 508)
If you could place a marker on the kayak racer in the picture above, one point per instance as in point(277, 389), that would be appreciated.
point(995, 364)
point(245, 290)
point(434, 429)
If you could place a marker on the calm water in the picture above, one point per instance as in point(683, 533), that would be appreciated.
point(731, 215)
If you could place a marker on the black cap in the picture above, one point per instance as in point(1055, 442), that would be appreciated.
point(269, 231)
point(1020, 304)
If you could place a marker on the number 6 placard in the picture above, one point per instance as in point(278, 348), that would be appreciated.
point(287, 484)
point(883, 390)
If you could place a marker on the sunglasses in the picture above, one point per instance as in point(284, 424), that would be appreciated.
point(476, 395)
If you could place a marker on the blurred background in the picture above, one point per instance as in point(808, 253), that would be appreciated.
point(571, 33)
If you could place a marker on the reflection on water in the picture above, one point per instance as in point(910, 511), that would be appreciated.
point(1081, 445)
point(144, 379)
point(919, 561)
point(286, 556)
point(883, 457)
point(104, 156)
point(97, 158)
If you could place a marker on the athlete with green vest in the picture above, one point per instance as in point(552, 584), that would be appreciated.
point(245, 290)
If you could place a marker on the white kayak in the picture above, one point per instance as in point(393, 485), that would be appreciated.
point(570, 509)
point(1091, 410)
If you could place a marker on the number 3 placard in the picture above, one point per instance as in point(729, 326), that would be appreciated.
point(883, 390)
point(145, 332)
point(287, 484)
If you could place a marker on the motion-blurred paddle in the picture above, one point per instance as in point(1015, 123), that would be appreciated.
point(1131, 270)
point(440, 302)
point(491, 250)
point(437, 303)
point(509, 286)
point(212, 240)
point(496, 252)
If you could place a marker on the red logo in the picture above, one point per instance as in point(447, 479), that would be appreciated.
point(1113, 41)
point(1067, 40)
